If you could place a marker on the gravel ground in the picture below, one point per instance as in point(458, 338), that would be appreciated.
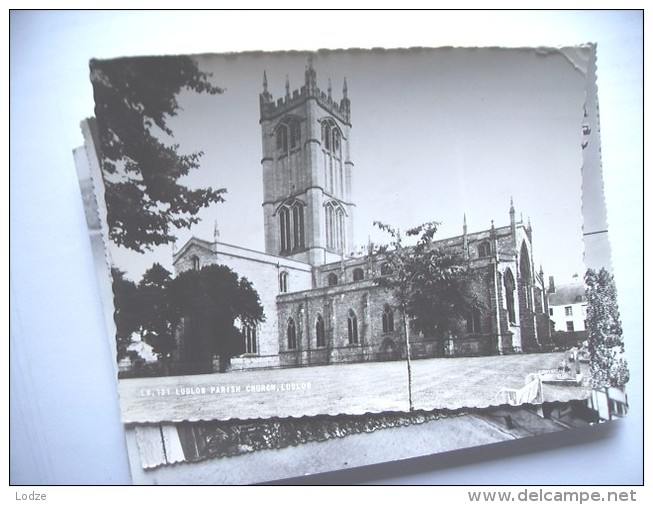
point(337, 389)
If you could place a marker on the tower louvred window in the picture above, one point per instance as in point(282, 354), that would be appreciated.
point(289, 135)
point(335, 226)
point(331, 147)
point(291, 226)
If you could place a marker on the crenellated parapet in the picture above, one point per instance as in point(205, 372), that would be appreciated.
point(271, 109)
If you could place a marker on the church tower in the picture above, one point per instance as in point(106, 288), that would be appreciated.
point(307, 204)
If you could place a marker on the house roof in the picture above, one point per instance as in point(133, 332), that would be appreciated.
point(568, 294)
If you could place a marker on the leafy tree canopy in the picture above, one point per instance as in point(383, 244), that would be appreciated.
point(126, 314)
point(214, 297)
point(155, 314)
point(432, 285)
point(142, 309)
point(608, 366)
point(134, 99)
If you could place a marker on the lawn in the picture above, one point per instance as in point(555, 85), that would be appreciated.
point(446, 383)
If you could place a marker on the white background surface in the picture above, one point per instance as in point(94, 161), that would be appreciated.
point(64, 420)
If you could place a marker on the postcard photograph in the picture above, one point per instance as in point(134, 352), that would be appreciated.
point(348, 232)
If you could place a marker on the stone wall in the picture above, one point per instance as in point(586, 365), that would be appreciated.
point(263, 271)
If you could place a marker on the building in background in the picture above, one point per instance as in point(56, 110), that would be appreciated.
point(568, 311)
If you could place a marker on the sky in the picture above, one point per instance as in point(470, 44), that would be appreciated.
point(436, 135)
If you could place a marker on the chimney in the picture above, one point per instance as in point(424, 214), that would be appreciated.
point(552, 286)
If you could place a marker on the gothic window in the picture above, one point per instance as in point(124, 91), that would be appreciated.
point(284, 225)
point(283, 282)
point(525, 274)
point(291, 333)
point(282, 139)
point(335, 226)
point(331, 137)
point(483, 249)
point(336, 142)
point(474, 321)
point(319, 331)
point(295, 134)
point(332, 148)
point(386, 269)
point(291, 226)
point(195, 262)
point(288, 134)
point(509, 285)
point(298, 226)
point(332, 279)
point(326, 136)
point(388, 319)
point(358, 274)
point(249, 335)
point(352, 327)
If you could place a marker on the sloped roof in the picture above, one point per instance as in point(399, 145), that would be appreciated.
point(193, 241)
point(568, 294)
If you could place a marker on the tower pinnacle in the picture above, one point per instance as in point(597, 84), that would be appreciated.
point(266, 97)
point(310, 76)
point(465, 239)
point(513, 226)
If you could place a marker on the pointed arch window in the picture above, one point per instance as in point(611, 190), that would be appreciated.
point(283, 282)
point(332, 149)
point(359, 275)
point(195, 261)
point(332, 279)
point(331, 137)
point(319, 331)
point(291, 227)
point(509, 285)
point(388, 319)
point(282, 139)
point(335, 226)
point(249, 336)
point(474, 321)
point(291, 334)
point(288, 133)
point(295, 134)
point(483, 249)
point(352, 327)
point(525, 274)
point(386, 269)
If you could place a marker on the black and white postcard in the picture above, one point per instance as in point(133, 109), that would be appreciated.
point(355, 233)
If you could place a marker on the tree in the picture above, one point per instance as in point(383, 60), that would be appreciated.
point(126, 313)
point(210, 301)
point(156, 325)
point(134, 100)
point(608, 366)
point(433, 287)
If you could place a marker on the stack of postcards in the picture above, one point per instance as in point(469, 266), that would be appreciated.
point(319, 261)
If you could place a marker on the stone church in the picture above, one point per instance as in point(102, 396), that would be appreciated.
point(321, 303)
